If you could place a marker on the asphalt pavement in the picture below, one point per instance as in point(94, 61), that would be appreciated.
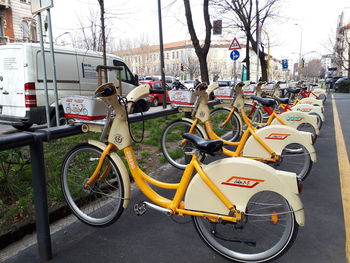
point(154, 237)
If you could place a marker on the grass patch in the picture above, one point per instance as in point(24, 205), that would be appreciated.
point(16, 192)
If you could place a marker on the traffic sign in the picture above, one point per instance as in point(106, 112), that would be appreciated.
point(234, 45)
point(284, 63)
point(234, 55)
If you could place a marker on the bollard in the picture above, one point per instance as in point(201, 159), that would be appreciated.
point(40, 198)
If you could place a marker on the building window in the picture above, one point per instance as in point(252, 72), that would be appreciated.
point(177, 54)
point(173, 54)
point(25, 31)
point(33, 32)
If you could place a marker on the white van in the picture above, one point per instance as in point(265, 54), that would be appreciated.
point(22, 94)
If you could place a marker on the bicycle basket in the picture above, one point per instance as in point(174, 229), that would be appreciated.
point(182, 97)
point(224, 93)
point(84, 108)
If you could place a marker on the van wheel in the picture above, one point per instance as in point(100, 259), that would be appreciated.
point(62, 119)
point(23, 126)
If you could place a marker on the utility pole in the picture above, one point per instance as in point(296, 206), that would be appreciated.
point(161, 52)
point(102, 11)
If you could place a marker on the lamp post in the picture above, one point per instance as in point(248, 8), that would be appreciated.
point(65, 33)
point(301, 43)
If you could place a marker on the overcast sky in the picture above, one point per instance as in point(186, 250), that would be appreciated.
point(138, 19)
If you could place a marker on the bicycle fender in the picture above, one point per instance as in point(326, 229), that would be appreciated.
point(198, 126)
point(277, 137)
point(309, 109)
point(122, 169)
point(239, 179)
point(296, 118)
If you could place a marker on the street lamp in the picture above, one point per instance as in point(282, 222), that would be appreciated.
point(301, 42)
point(65, 33)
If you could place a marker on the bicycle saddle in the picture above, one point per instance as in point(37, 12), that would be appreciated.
point(282, 100)
point(206, 146)
point(291, 90)
point(268, 102)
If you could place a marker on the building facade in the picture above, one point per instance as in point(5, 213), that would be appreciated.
point(16, 22)
point(342, 45)
point(181, 61)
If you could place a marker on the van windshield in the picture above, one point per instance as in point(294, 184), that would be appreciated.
point(127, 76)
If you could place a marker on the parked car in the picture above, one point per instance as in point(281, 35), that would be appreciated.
point(156, 99)
point(189, 83)
point(224, 83)
point(168, 79)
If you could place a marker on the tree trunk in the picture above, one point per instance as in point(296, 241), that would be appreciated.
point(263, 64)
point(201, 51)
point(204, 67)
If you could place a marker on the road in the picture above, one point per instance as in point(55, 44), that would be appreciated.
point(156, 238)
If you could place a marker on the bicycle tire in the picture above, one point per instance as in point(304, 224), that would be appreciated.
point(307, 127)
point(170, 140)
point(101, 205)
point(231, 131)
point(295, 158)
point(267, 231)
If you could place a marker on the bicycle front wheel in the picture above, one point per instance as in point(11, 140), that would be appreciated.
point(171, 143)
point(228, 130)
point(102, 203)
point(267, 231)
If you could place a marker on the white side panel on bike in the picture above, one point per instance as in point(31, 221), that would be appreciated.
point(311, 101)
point(319, 91)
point(309, 109)
point(296, 118)
point(277, 137)
point(239, 179)
point(122, 169)
point(202, 130)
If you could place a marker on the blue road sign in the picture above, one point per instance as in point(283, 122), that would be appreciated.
point(234, 55)
point(284, 63)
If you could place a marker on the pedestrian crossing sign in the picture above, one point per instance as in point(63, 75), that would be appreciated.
point(234, 45)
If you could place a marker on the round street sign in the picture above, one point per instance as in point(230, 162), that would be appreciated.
point(234, 55)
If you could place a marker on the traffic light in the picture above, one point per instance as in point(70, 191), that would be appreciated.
point(217, 27)
point(182, 67)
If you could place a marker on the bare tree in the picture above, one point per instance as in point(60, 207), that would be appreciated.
point(244, 14)
point(313, 69)
point(342, 54)
point(201, 50)
point(192, 67)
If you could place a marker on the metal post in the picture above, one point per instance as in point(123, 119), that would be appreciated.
point(235, 71)
point(53, 69)
point(40, 199)
point(257, 41)
point(161, 52)
point(47, 106)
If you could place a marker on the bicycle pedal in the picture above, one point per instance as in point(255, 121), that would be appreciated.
point(140, 208)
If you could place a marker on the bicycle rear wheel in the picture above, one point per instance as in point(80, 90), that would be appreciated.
point(295, 158)
point(229, 132)
point(267, 231)
point(171, 139)
point(101, 204)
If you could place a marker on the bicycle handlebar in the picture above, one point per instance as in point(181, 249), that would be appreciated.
point(108, 91)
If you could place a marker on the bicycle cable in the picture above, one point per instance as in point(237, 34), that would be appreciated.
point(124, 101)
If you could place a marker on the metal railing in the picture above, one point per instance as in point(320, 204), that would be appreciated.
point(35, 141)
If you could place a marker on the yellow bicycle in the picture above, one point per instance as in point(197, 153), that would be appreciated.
point(243, 209)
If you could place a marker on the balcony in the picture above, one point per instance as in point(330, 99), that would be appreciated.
point(5, 3)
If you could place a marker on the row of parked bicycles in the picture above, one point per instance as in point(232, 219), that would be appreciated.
point(245, 207)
